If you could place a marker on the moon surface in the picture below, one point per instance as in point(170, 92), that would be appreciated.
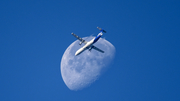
point(80, 71)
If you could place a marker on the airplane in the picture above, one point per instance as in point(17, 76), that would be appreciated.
point(89, 45)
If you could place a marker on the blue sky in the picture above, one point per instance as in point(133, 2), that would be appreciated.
point(34, 35)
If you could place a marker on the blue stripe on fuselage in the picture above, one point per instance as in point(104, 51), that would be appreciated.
point(97, 38)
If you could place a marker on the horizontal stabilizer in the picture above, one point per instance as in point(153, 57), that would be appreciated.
point(101, 29)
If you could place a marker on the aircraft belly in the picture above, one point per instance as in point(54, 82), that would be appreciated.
point(79, 51)
point(84, 48)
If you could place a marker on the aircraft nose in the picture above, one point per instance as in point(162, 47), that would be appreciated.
point(76, 53)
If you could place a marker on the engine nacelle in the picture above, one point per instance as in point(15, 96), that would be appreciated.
point(90, 48)
point(80, 43)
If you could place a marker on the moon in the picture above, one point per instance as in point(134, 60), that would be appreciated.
point(81, 71)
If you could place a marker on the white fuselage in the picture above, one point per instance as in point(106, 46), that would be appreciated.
point(86, 46)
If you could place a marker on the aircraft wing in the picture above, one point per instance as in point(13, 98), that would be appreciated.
point(97, 49)
point(80, 39)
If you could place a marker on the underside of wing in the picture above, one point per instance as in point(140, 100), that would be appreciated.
point(80, 39)
point(97, 49)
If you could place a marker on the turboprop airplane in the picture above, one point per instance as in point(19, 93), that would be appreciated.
point(89, 45)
